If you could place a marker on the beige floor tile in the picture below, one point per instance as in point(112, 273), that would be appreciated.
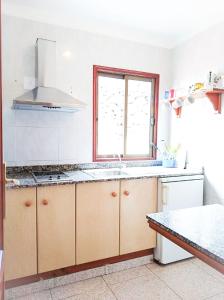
point(217, 297)
point(128, 264)
point(105, 295)
point(28, 289)
point(157, 267)
point(45, 295)
point(78, 276)
point(93, 287)
point(208, 269)
point(126, 275)
point(188, 280)
point(143, 288)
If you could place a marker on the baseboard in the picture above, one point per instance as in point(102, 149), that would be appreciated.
point(27, 285)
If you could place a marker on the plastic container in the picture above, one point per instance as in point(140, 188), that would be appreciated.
point(169, 163)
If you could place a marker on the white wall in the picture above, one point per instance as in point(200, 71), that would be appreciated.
point(199, 129)
point(32, 137)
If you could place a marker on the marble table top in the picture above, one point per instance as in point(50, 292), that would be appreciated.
point(200, 227)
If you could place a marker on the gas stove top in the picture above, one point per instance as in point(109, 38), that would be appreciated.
point(54, 176)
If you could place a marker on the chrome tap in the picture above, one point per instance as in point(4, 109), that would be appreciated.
point(119, 157)
point(122, 164)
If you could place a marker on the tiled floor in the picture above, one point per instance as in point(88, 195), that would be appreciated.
point(189, 280)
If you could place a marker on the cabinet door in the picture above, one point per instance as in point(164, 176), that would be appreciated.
point(138, 197)
point(97, 221)
point(56, 227)
point(20, 233)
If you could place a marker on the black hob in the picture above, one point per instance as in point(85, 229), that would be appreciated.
point(53, 176)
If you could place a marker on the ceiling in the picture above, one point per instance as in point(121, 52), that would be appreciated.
point(158, 22)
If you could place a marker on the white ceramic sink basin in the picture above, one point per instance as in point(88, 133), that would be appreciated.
point(105, 172)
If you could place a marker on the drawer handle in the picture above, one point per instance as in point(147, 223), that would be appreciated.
point(126, 193)
point(114, 194)
point(28, 203)
point(45, 202)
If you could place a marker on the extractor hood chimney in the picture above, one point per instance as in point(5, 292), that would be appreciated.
point(46, 96)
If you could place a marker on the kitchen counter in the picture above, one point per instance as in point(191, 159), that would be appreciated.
point(199, 230)
point(79, 176)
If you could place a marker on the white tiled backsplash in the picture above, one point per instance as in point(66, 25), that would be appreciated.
point(32, 137)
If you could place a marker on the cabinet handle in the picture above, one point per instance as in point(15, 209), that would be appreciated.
point(28, 203)
point(114, 194)
point(45, 202)
point(126, 193)
point(164, 194)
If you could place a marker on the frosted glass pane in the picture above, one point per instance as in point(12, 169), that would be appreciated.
point(111, 102)
point(138, 117)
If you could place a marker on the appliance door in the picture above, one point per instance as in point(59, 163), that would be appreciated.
point(184, 192)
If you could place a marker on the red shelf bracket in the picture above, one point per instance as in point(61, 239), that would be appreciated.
point(177, 110)
point(215, 97)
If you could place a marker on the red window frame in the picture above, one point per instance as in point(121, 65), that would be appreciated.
point(102, 69)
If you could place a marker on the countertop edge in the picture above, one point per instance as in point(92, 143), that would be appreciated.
point(29, 181)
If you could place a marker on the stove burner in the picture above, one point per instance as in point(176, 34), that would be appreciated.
point(53, 176)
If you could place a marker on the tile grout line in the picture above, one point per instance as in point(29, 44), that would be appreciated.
point(212, 276)
point(27, 294)
point(51, 294)
point(109, 288)
point(207, 272)
point(30, 294)
point(127, 279)
point(199, 267)
point(213, 296)
point(65, 297)
point(164, 283)
point(69, 297)
point(145, 266)
point(64, 285)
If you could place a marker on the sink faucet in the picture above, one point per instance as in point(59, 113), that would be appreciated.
point(122, 165)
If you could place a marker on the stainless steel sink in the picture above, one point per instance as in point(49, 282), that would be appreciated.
point(129, 171)
point(105, 172)
point(144, 170)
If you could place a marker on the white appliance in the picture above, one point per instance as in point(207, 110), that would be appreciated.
point(176, 193)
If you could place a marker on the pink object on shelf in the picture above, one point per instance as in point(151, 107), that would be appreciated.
point(172, 92)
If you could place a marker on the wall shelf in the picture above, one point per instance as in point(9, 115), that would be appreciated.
point(215, 97)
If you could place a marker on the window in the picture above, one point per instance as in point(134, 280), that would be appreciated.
point(124, 114)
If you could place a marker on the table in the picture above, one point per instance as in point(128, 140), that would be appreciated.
point(198, 230)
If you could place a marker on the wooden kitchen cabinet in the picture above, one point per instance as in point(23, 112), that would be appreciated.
point(56, 227)
point(97, 221)
point(53, 227)
point(20, 246)
point(138, 197)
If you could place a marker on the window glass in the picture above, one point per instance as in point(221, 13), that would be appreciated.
point(111, 102)
point(138, 117)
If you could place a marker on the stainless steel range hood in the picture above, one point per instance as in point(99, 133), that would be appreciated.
point(46, 96)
